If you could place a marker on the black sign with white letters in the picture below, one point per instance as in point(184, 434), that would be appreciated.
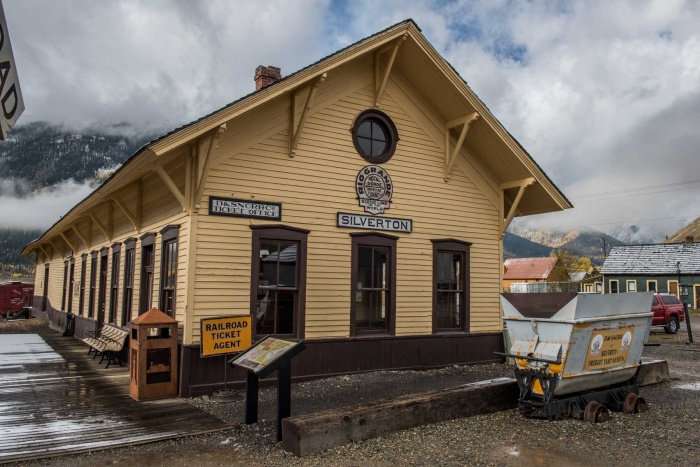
point(245, 208)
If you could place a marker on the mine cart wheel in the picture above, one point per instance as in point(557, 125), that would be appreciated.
point(634, 404)
point(589, 412)
point(596, 413)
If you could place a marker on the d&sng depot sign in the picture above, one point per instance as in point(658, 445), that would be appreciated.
point(11, 103)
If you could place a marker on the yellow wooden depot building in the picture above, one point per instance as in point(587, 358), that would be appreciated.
point(358, 204)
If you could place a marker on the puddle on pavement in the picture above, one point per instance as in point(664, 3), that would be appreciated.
point(691, 386)
point(529, 456)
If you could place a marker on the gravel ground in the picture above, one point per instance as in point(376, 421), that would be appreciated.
point(666, 434)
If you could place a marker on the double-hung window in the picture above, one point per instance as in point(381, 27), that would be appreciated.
point(83, 276)
point(146, 281)
point(278, 285)
point(450, 285)
point(128, 293)
point(114, 283)
point(373, 279)
point(168, 270)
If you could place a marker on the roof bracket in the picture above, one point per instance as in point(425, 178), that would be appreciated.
point(379, 88)
point(80, 235)
point(46, 253)
point(521, 184)
point(101, 226)
point(213, 145)
point(294, 130)
point(465, 122)
point(135, 221)
point(171, 185)
point(68, 242)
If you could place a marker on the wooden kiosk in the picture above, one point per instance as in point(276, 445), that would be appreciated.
point(153, 356)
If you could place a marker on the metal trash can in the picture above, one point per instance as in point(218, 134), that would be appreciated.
point(153, 356)
point(582, 361)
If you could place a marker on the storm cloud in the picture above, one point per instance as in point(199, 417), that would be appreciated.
point(604, 95)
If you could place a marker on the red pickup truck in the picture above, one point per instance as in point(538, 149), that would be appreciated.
point(668, 312)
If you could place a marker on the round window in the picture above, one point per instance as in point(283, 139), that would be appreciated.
point(374, 136)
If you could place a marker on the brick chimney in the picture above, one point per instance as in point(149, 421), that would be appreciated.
point(689, 239)
point(266, 75)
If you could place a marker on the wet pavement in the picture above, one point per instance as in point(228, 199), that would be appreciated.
point(54, 400)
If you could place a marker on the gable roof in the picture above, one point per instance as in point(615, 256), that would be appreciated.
point(531, 203)
point(653, 259)
point(528, 268)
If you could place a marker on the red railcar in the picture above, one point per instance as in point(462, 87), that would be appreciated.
point(14, 296)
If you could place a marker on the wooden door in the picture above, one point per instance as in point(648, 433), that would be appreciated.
point(697, 296)
point(102, 292)
point(673, 288)
point(71, 283)
point(45, 300)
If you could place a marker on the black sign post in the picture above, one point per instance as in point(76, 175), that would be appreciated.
point(269, 355)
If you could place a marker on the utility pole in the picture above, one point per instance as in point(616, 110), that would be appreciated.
point(605, 246)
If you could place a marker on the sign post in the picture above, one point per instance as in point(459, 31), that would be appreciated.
point(225, 336)
point(271, 354)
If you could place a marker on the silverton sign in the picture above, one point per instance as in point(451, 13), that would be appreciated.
point(360, 221)
point(245, 208)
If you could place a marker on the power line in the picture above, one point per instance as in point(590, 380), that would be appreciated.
point(635, 194)
point(623, 222)
point(634, 191)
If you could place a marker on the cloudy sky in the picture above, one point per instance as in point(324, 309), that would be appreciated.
point(604, 95)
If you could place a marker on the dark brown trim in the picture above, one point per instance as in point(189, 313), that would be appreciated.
point(373, 234)
point(94, 253)
point(282, 233)
point(392, 135)
point(451, 240)
point(83, 278)
point(169, 232)
point(116, 247)
point(104, 251)
point(45, 301)
point(130, 243)
point(448, 245)
point(279, 226)
point(329, 357)
point(374, 239)
point(83, 255)
point(149, 238)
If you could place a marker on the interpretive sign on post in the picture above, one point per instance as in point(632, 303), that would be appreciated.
point(271, 354)
point(225, 335)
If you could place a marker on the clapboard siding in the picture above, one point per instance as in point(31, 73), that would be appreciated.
point(319, 182)
point(160, 208)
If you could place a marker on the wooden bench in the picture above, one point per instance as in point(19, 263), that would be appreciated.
point(108, 342)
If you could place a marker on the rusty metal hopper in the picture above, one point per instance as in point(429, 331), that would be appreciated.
point(592, 342)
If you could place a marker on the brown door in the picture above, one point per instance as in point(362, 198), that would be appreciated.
point(697, 295)
point(673, 288)
point(146, 296)
point(45, 301)
point(168, 278)
point(71, 282)
point(103, 290)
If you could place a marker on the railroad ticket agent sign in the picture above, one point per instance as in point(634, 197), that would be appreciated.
point(229, 334)
point(608, 348)
point(244, 208)
point(374, 189)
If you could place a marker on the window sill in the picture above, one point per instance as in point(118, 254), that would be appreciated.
point(369, 336)
point(449, 332)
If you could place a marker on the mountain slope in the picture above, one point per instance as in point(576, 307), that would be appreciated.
point(519, 247)
point(691, 229)
point(38, 155)
point(581, 243)
point(11, 243)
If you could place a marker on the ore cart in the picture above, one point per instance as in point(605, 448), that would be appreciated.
point(583, 361)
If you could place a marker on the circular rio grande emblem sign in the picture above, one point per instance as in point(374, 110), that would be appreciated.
point(374, 189)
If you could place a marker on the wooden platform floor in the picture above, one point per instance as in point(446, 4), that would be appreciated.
point(55, 400)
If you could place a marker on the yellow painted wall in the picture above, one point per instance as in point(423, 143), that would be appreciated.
point(253, 162)
point(160, 208)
